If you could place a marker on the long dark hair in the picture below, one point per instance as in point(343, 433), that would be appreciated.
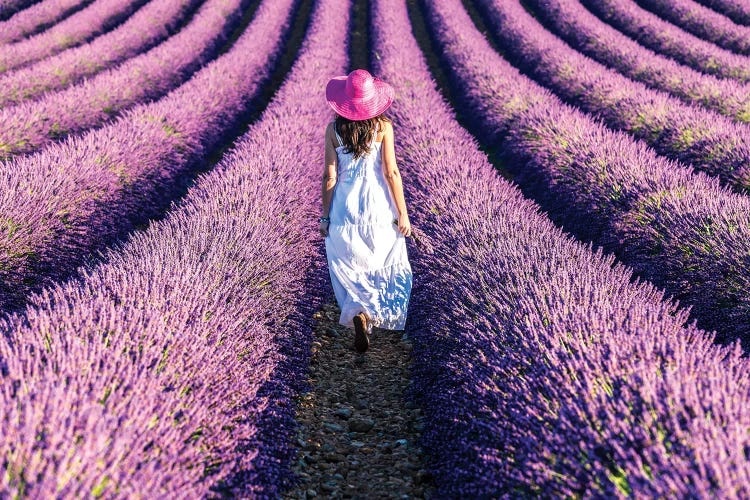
point(357, 134)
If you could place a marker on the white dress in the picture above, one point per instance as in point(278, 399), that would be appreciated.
point(367, 260)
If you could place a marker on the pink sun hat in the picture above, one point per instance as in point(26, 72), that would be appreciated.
point(359, 95)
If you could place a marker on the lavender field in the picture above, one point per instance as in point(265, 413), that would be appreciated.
point(578, 177)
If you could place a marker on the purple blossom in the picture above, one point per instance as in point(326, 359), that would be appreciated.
point(707, 141)
point(96, 18)
point(31, 125)
point(147, 27)
point(169, 370)
point(10, 7)
point(703, 23)
point(679, 229)
point(61, 204)
point(36, 18)
point(665, 38)
point(542, 367)
point(589, 35)
point(737, 10)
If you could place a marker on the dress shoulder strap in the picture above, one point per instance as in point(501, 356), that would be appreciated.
point(338, 137)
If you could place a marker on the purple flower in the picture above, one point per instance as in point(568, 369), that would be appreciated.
point(543, 368)
point(169, 370)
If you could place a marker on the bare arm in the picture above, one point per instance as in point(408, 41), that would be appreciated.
point(329, 176)
point(393, 178)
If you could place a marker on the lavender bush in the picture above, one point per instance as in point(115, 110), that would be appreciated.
point(59, 205)
point(36, 18)
point(29, 126)
point(737, 10)
point(589, 35)
point(147, 27)
point(11, 7)
point(543, 370)
point(706, 140)
point(97, 18)
point(703, 23)
point(665, 38)
point(679, 229)
point(169, 370)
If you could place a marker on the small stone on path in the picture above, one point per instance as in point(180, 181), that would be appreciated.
point(333, 427)
point(361, 424)
point(343, 413)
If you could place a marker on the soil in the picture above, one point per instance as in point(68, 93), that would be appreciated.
point(358, 435)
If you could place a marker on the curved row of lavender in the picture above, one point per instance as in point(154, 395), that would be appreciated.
point(706, 140)
point(10, 7)
point(31, 125)
point(63, 203)
point(660, 36)
point(679, 229)
point(37, 18)
point(150, 25)
point(703, 23)
point(97, 18)
point(588, 34)
point(542, 369)
point(737, 10)
point(169, 371)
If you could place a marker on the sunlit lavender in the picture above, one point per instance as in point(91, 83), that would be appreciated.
point(31, 125)
point(703, 23)
point(64, 202)
point(699, 137)
point(658, 35)
point(737, 10)
point(171, 366)
point(577, 174)
point(543, 369)
point(93, 20)
point(37, 17)
point(589, 35)
point(144, 29)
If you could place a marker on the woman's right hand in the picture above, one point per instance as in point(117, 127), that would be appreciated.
point(324, 228)
point(404, 226)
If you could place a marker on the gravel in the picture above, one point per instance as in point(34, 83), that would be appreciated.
point(358, 434)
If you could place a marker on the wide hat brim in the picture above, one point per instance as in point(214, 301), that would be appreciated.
point(354, 108)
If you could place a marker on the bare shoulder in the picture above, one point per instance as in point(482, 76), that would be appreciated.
point(386, 128)
point(330, 135)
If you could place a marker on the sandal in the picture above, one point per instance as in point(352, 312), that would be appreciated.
point(361, 331)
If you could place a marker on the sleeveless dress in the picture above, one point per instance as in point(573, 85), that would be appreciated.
point(366, 253)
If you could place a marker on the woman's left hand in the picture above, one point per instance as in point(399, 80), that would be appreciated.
point(404, 226)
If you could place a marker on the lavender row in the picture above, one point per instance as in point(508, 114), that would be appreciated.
point(737, 10)
point(10, 7)
point(95, 19)
point(173, 365)
point(36, 18)
point(31, 125)
point(703, 23)
point(665, 38)
point(677, 228)
point(147, 27)
point(708, 141)
point(589, 35)
point(542, 368)
point(61, 204)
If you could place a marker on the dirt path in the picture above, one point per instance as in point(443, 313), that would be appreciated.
point(359, 435)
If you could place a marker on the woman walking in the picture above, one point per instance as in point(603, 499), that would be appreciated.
point(364, 220)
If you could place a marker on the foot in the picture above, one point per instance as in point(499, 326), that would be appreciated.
point(361, 331)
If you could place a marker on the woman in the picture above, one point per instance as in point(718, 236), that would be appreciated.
point(364, 220)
